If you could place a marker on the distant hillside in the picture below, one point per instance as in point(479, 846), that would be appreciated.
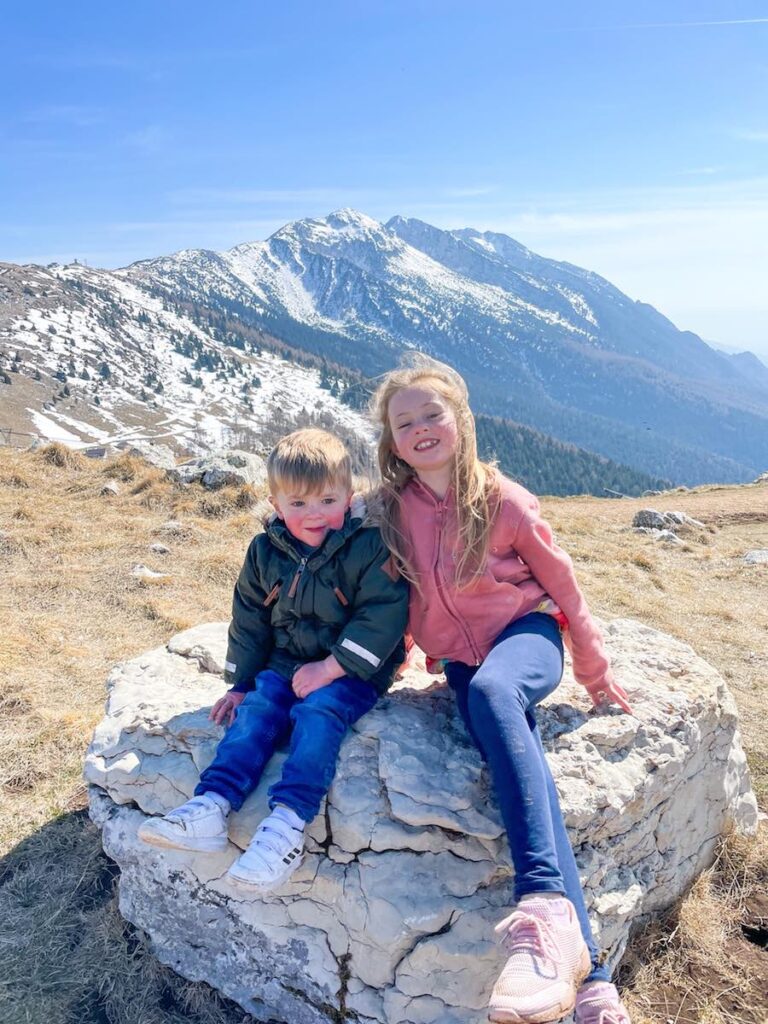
point(547, 466)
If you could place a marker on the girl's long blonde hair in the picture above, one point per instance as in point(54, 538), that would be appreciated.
point(475, 483)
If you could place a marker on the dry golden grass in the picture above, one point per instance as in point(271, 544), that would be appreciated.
point(70, 609)
point(705, 962)
point(701, 593)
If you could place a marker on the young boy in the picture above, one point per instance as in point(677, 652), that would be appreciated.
point(316, 637)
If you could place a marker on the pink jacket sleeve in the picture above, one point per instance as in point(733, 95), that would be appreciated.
point(553, 569)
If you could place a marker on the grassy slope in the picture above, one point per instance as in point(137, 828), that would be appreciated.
point(70, 609)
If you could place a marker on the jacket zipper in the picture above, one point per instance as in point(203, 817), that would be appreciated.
point(297, 577)
point(451, 612)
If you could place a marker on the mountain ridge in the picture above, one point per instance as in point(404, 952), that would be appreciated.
point(540, 342)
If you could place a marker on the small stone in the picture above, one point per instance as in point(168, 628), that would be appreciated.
point(172, 526)
point(143, 572)
point(159, 549)
point(756, 557)
point(110, 487)
point(666, 537)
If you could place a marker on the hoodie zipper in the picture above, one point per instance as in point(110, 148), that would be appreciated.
point(297, 576)
point(470, 640)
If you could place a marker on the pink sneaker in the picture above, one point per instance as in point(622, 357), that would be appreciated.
point(548, 961)
point(599, 1003)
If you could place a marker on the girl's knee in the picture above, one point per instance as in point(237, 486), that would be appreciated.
point(487, 689)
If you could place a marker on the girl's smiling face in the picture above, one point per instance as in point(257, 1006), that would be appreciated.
point(424, 432)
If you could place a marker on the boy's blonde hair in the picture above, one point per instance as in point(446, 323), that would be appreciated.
point(307, 461)
point(475, 483)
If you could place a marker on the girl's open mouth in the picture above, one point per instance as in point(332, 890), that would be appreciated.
point(424, 446)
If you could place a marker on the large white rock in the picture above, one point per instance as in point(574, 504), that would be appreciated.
point(390, 918)
point(220, 469)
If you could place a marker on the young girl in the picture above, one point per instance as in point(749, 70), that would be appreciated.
point(491, 595)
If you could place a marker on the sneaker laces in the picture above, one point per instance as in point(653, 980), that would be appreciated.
point(605, 1015)
point(524, 933)
point(187, 809)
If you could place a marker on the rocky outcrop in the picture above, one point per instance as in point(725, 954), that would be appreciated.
point(220, 469)
point(390, 918)
point(666, 527)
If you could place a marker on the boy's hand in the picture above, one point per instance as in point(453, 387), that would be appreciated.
point(315, 675)
point(225, 707)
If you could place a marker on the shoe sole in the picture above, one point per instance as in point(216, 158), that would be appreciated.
point(149, 832)
point(273, 883)
point(553, 1014)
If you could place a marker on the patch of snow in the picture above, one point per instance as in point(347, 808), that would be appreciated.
point(54, 431)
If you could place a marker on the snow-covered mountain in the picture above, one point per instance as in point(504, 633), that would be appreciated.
point(91, 357)
point(540, 342)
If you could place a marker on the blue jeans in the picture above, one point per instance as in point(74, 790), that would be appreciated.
point(496, 701)
point(317, 724)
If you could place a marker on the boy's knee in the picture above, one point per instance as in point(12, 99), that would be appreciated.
point(323, 712)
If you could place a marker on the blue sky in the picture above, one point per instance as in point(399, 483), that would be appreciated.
point(629, 139)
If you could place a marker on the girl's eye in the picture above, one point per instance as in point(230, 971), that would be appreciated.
point(402, 426)
point(434, 415)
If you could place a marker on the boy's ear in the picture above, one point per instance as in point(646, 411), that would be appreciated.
point(273, 502)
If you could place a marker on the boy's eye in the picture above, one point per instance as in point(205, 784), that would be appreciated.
point(297, 504)
point(328, 501)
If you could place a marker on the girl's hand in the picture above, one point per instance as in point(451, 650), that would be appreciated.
point(610, 693)
point(225, 707)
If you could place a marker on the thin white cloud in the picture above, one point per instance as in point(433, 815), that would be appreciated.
point(691, 24)
point(752, 136)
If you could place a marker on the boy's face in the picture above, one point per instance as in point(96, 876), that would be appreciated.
point(311, 517)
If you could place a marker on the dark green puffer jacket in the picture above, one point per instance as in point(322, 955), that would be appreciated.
point(290, 608)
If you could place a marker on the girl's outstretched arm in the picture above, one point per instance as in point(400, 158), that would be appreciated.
point(553, 569)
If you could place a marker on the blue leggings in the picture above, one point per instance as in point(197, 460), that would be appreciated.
point(496, 701)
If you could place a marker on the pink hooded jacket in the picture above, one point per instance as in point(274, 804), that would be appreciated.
point(525, 568)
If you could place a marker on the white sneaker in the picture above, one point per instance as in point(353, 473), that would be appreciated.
point(273, 854)
point(199, 824)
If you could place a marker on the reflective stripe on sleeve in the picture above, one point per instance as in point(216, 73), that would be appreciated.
point(361, 652)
